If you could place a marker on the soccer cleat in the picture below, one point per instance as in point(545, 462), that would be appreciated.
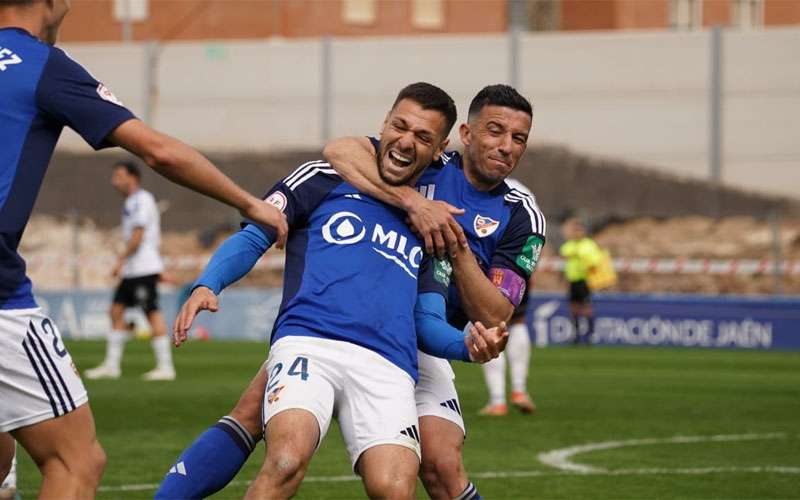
point(497, 410)
point(522, 402)
point(102, 371)
point(159, 374)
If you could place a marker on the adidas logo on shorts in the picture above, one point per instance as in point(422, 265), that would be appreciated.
point(452, 404)
point(411, 432)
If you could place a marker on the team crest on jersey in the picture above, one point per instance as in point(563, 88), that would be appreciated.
point(106, 95)
point(484, 226)
point(277, 200)
point(275, 395)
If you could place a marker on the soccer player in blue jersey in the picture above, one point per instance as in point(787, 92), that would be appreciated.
point(44, 403)
point(344, 342)
point(506, 231)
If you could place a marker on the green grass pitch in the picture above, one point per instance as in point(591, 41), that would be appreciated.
point(585, 395)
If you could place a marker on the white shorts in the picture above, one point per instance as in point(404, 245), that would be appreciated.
point(38, 380)
point(372, 399)
point(436, 394)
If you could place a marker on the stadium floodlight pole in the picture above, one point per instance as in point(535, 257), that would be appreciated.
point(513, 77)
point(326, 82)
point(150, 82)
point(127, 24)
point(516, 18)
point(715, 122)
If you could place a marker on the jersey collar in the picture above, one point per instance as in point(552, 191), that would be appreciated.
point(22, 31)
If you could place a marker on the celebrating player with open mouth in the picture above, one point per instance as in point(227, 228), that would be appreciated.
point(359, 298)
point(507, 243)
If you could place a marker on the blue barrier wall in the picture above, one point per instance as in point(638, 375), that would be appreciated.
point(651, 320)
point(674, 320)
point(245, 313)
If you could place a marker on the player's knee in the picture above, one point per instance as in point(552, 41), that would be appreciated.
point(443, 471)
point(285, 465)
point(88, 469)
point(390, 486)
point(98, 462)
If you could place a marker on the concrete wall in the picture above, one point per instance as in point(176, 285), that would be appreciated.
point(641, 97)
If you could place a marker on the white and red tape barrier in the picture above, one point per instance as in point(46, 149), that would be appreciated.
point(739, 267)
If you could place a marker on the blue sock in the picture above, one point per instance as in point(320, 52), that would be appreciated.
point(209, 464)
point(470, 493)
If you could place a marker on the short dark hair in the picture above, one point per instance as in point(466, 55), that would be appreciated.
point(430, 97)
point(129, 166)
point(15, 2)
point(499, 95)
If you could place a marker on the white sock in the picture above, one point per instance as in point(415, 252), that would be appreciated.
point(163, 352)
point(10, 481)
point(495, 374)
point(115, 347)
point(519, 356)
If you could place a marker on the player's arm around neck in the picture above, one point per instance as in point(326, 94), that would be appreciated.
point(480, 298)
point(183, 165)
point(354, 159)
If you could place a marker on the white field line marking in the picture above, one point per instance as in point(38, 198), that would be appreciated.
point(560, 459)
point(519, 474)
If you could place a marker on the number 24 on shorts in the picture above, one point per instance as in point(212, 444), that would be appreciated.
point(299, 367)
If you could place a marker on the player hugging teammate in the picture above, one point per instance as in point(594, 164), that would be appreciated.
point(340, 210)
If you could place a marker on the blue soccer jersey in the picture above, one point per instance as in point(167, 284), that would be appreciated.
point(353, 267)
point(504, 227)
point(41, 91)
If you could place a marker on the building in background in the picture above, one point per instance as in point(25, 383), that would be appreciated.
point(104, 20)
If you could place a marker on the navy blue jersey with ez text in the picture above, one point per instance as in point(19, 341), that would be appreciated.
point(41, 91)
point(504, 227)
point(353, 267)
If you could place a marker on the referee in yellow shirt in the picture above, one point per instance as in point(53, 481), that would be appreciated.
point(581, 255)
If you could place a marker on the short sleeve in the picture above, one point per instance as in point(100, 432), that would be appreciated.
point(139, 211)
point(299, 194)
point(521, 244)
point(69, 94)
point(434, 275)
